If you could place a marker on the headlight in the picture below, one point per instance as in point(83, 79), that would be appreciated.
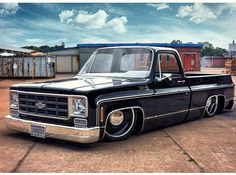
point(78, 107)
point(13, 100)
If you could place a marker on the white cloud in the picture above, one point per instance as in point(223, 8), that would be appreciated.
point(65, 16)
point(8, 8)
point(97, 20)
point(94, 21)
point(118, 24)
point(159, 6)
point(197, 13)
point(185, 11)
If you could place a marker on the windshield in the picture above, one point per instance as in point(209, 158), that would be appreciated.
point(119, 62)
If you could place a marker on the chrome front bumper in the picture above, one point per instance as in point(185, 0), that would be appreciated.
point(81, 135)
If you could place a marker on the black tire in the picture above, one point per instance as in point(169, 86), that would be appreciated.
point(211, 106)
point(122, 131)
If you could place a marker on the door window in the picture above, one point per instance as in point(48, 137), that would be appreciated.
point(167, 65)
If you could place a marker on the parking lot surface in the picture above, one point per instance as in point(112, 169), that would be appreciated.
point(207, 145)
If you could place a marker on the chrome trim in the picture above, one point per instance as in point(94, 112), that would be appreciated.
point(123, 97)
point(181, 81)
point(159, 94)
point(50, 94)
point(210, 88)
point(81, 135)
point(172, 92)
point(140, 96)
point(201, 107)
point(120, 109)
point(161, 115)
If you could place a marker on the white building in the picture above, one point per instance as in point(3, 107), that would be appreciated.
point(232, 49)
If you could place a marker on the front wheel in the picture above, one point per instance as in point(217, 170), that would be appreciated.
point(211, 106)
point(120, 124)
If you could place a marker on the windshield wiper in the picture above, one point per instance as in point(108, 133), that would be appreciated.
point(92, 84)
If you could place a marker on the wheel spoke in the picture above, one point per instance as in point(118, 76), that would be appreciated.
point(211, 106)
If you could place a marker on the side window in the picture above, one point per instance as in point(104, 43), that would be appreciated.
point(167, 65)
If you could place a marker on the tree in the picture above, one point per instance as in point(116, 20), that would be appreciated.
point(46, 48)
point(209, 50)
point(176, 42)
point(63, 44)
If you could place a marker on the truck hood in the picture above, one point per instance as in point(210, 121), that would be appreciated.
point(81, 83)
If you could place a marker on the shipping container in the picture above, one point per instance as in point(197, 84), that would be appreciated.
point(27, 67)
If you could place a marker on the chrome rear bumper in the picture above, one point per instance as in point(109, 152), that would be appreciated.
point(81, 135)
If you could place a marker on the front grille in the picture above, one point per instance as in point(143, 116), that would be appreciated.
point(44, 105)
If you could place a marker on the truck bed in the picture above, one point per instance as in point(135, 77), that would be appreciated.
point(203, 79)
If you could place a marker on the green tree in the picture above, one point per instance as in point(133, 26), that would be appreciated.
point(176, 42)
point(209, 50)
point(46, 48)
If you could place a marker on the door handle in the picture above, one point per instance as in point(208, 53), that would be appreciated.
point(181, 81)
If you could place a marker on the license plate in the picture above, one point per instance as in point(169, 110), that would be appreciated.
point(38, 131)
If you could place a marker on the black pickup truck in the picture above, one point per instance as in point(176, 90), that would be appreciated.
point(119, 91)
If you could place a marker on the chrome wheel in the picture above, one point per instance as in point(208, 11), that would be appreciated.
point(120, 124)
point(211, 105)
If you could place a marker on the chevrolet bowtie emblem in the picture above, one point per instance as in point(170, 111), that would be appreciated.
point(40, 105)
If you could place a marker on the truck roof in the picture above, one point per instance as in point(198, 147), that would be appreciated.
point(148, 47)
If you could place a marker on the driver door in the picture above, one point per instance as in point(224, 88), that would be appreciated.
point(172, 94)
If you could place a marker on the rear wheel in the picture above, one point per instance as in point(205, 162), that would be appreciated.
point(211, 106)
point(120, 124)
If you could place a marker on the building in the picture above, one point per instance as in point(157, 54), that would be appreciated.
point(14, 51)
point(213, 61)
point(70, 60)
point(67, 60)
point(232, 49)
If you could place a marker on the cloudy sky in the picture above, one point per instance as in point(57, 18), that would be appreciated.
point(39, 24)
